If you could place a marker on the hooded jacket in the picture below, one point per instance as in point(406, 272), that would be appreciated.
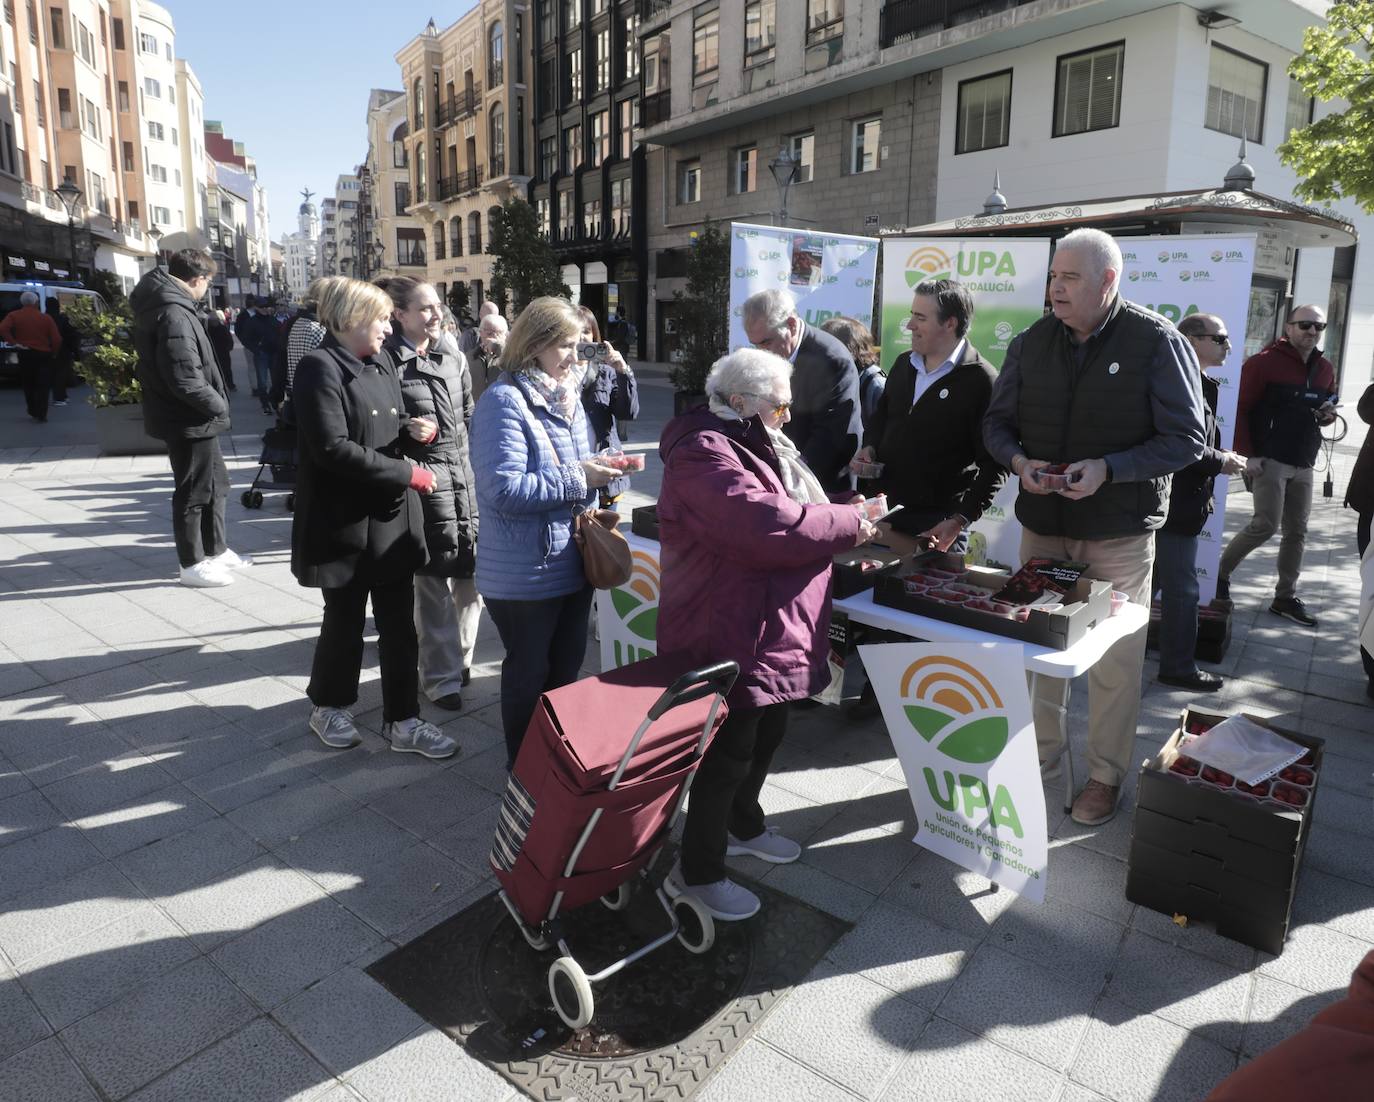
point(183, 390)
point(745, 569)
point(1359, 495)
point(608, 396)
point(1273, 421)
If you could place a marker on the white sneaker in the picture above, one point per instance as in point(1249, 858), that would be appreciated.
point(232, 560)
point(726, 900)
point(335, 727)
point(768, 846)
point(415, 736)
point(206, 574)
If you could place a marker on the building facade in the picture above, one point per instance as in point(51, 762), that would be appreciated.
point(300, 256)
point(468, 96)
point(346, 188)
point(327, 253)
point(396, 235)
point(191, 115)
point(237, 172)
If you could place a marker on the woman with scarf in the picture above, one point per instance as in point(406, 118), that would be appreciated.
point(610, 396)
point(747, 538)
point(532, 450)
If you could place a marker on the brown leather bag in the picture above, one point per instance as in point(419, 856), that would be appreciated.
point(605, 553)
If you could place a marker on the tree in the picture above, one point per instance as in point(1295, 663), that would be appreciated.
point(1334, 156)
point(109, 286)
point(459, 299)
point(525, 266)
point(702, 313)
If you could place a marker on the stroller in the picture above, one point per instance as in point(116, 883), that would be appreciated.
point(591, 802)
point(279, 456)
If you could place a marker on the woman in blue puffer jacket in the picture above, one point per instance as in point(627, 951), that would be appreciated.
point(532, 451)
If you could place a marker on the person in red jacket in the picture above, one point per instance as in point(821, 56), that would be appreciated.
point(39, 340)
point(1287, 394)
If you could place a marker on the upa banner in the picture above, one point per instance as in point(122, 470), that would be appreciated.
point(1007, 279)
point(828, 273)
point(1207, 274)
point(627, 616)
point(960, 720)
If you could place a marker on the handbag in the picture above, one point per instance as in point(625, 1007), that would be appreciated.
point(606, 560)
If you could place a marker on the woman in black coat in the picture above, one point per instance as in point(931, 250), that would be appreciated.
point(357, 530)
point(436, 386)
point(610, 396)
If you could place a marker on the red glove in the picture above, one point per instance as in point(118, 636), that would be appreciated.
point(421, 479)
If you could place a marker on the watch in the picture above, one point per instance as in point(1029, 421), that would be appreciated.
point(1108, 464)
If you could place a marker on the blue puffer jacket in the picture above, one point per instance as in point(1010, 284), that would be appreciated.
point(527, 462)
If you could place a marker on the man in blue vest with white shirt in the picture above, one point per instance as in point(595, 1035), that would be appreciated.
point(1114, 391)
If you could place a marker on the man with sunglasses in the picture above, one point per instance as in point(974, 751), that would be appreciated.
point(1190, 504)
point(1287, 394)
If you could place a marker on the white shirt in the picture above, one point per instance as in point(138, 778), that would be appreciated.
point(927, 379)
point(801, 333)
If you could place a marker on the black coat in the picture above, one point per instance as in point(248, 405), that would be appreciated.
point(438, 386)
point(1190, 497)
point(354, 510)
point(826, 422)
point(1359, 495)
point(607, 397)
point(183, 391)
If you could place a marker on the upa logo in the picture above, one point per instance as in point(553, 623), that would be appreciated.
point(955, 708)
point(928, 262)
point(636, 605)
point(770, 255)
point(746, 273)
point(1185, 276)
point(851, 262)
point(1217, 256)
point(865, 282)
point(1003, 331)
point(1164, 256)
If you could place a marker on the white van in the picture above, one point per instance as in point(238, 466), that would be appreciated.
point(65, 293)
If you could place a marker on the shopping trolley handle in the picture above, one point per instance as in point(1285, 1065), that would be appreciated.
point(706, 681)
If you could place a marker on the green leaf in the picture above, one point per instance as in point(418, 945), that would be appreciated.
point(625, 602)
point(927, 721)
point(978, 742)
point(645, 625)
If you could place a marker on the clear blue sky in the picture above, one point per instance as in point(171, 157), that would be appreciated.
point(290, 80)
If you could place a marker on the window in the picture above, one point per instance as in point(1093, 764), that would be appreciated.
point(86, 44)
point(542, 214)
point(629, 119)
point(176, 176)
point(418, 103)
point(984, 113)
point(620, 206)
point(124, 95)
point(866, 136)
point(1087, 90)
point(128, 156)
point(689, 182)
point(824, 20)
point(55, 39)
point(90, 121)
point(410, 247)
point(565, 214)
point(804, 153)
point(1235, 94)
point(548, 21)
point(573, 65)
point(657, 64)
point(519, 49)
point(161, 216)
point(171, 94)
point(455, 236)
point(475, 232)
point(631, 40)
point(746, 170)
point(158, 173)
point(572, 148)
point(401, 195)
point(601, 75)
point(439, 253)
point(152, 88)
point(498, 142)
point(548, 157)
point(591, 218)
point(496, 56)
point(147, 43)
point(1299, 112)
point(572, 14)
point(64, 108)
point(118, 25)
point(706, 45)
point(760, 31)
point(601, 138)
point(155, 130)
point(400, 157)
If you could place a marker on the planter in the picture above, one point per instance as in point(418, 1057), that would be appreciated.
point(683, 400)
point(119, 431)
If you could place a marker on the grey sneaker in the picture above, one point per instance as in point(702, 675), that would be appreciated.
point(768, 846)
point(335, 727)
point(726, 900)
point(415, 736)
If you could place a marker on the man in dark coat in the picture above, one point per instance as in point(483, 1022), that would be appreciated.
point(1190, 504)
point(927, 428)
point(184, 404)
point(1359, 495)
point(826, 420)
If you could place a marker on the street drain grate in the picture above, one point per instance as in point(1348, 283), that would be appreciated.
point(661, 1026)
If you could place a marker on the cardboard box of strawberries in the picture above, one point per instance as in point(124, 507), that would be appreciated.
point(1208, 845)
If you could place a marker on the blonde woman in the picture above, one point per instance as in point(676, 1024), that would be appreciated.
point(357, 531)
point(532, 450)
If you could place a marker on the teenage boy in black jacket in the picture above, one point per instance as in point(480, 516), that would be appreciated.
point(928, 427)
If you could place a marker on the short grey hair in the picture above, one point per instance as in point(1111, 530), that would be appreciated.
point(746, 371)
point(28, 298)
point(491, 325)
point(1100, 247)
point(773, 307)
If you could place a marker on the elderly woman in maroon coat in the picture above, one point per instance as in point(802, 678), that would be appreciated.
point(747, 538)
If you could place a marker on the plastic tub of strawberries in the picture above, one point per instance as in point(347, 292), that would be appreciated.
point(623, 461)
point(1018, 613)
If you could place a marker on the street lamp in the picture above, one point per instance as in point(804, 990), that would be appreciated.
point(70, 195)
point(785, 170)
point(156, 235)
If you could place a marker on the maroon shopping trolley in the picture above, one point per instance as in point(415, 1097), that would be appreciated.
point(601, 778)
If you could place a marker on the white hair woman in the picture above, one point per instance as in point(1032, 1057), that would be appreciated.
point(747, 538)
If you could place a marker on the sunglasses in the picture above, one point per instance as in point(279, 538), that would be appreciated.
point(778, 408)
point(1319, 326)
point(1217, 338)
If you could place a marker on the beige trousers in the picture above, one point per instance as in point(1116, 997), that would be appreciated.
point(1114, 682)
point(447, 612)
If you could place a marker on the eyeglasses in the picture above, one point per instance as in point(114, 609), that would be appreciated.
point(778, 408)
point(1217, 338)
point(1319, 326)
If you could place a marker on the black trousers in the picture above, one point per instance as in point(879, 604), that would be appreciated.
point(725, 792)
point(1362, 526)
point(545, 643)
point(35, 370)
point(61, 369)
point(339, 650)
point(201, 486)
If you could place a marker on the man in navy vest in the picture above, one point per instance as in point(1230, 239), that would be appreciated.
point(1115, 392)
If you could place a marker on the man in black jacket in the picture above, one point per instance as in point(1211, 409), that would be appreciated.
point(927, 429)
point(184, 404)
point(826, 420)
point(1190, 504)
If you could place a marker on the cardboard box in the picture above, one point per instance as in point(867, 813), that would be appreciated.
point(644, 522)
point(1087, 604)
point(1213, 631)
point(1203, 852)
point(846, 579)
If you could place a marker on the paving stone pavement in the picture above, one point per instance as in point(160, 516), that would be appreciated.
point(191, 885)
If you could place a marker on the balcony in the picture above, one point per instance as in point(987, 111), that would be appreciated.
point(906, 20)
point(459, 107)
point(656, 109)
point(498, 166)
point(450, 187)
point(650, 10)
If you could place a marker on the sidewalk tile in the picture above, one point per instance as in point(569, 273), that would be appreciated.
point(468, 841)
point(1080, 877)
point(21, 1022)
point(1132, 1057)
point(811, 885)
point(43, 1073)
point(249, 778)
point(240, 900)
point(107, 785)
point(1277, 1011)
point(347, 1019)
point(188, 860)
point(1073, 943)
point(868, 857)
point(435, 802)
point(392, 893)
point(429, 1067)
point(26, 814)
point(1316, 959)
point(1196, 937)
point(950, 1063)
point(59, 911)
point(1335, 902)
point(952, 896)
point(757, 1071)
point(145, 819)
point(275, 819)
point(904, 952)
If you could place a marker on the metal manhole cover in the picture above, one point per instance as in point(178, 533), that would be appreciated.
point(661, 1026)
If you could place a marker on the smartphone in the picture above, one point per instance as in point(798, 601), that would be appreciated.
point(894, 509)
point(596, 351)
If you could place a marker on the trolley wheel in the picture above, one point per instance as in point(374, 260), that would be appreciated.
point(257, 499)
point(697, 931)
point(571, 992)
point(617, 900)
point(247, 499)
point(290, 503)
point(538, 942)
